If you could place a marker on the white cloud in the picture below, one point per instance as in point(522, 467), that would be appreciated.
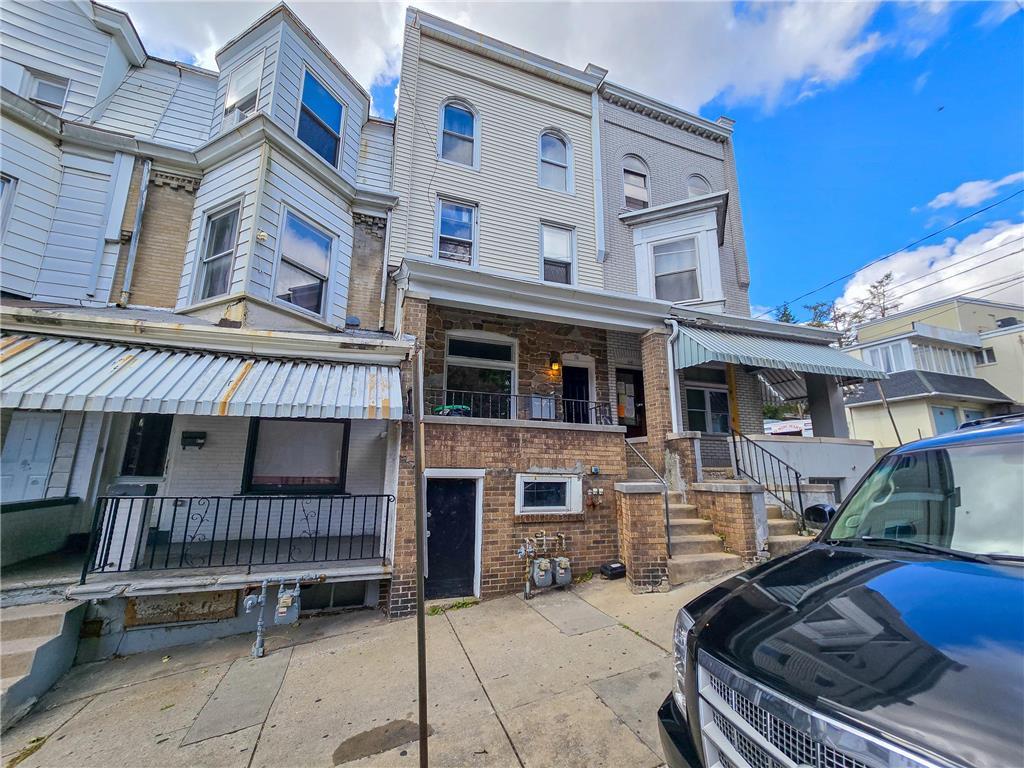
point(972, 193)
point(921, 81)
point(685, 53)
point(996, 13)
point(976, 264)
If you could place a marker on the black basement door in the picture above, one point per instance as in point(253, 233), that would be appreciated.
point(451, 543)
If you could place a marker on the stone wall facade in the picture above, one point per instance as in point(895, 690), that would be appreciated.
point(640, 512)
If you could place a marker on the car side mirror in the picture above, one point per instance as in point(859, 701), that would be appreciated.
point(819, 514)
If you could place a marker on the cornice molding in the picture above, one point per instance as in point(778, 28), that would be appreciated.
point(621, 96)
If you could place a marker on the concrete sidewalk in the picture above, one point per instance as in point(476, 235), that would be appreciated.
point(568, 678)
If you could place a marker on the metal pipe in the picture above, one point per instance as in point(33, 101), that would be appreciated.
point(384, 265)
point(673, 382)
point(133, 246)
point(421, 542)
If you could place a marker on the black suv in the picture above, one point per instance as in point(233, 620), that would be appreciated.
point(894, 640)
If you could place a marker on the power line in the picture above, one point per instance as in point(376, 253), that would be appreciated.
point(893, 253)
point(965, 258)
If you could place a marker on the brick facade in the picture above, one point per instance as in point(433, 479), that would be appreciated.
point(656, 395)
point(642, 543)
point(731, 509)
point(367, 263)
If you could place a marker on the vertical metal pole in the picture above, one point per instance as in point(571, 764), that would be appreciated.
point(421, 540)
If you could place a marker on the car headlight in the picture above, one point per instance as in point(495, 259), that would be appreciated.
point(684, 623)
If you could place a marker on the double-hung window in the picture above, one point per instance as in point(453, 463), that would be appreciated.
point(984, 356)
point(675, 270)
point(549, 494)
point(554, 162)
point(458, 134)
point(243, 90)
point(48, 90)
point(456, 232)
point(218, 253)
point(556, 253)
point(479, 376)
point(707, 410)
point(296, 456)
point(320, 119)
point(305, 264)
point(635, 183)
point(888, 358)
point(8, 185)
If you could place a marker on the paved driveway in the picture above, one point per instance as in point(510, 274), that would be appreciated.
point(568, 678)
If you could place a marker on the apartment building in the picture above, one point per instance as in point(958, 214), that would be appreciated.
point(220, 288)
point(949, 362)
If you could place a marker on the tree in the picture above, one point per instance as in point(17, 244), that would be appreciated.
point(784, 314)
point(880, 300)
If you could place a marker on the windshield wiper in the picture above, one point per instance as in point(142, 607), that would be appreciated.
point(920, 546)
point(1005, 557)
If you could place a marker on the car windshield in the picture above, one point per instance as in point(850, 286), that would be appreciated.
point(967, 497)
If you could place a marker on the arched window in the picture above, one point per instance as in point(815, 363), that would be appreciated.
point(697, 185)
point(555, 162)
point(636, 183)
point(459, 134)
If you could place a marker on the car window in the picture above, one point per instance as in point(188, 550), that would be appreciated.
point(965, 497)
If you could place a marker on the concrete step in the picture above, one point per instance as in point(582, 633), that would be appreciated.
point(676, 497)
point(689, 568)
point(16, 655)
point(774, 511)
point(7, 682)
point(690, 526)
point(696, 545)
point(782, 527)
point(36, 620)
point(783, 545)
point(681, 511)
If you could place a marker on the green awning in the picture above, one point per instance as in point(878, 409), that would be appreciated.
point(695, 346)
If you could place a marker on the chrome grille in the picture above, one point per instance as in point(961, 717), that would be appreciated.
point(749, 751)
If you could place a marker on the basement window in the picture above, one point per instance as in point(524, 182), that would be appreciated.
point(549, 494)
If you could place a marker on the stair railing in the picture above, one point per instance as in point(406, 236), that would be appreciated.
point(664, 495)
point(780, 479)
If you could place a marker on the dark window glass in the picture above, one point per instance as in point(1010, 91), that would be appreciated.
point(547, 493)
point(556, 271)
point(318, 138)
point(146, 449)
point(481, 350)
point(321, 103)
point(320, 120)
point(487, 380)
point(710, 375)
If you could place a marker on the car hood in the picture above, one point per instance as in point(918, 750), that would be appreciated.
point(925, 652)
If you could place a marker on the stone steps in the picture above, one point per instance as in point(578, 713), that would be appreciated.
point(782, 527)
point(678, 511)
point(783, 545)
point(774, 511)
point(700, 544)
point(704, 567)
point(690, 526)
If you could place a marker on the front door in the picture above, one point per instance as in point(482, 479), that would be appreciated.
point(945, 419)
point(451, 537)
point(629, 386)
point(576, 394)
point(28, 454)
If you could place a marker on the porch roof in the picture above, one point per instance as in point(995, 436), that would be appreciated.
point(695, 346)
point(74, 374)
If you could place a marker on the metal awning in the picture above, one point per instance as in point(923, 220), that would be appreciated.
point(68, 374)
point(779, 361)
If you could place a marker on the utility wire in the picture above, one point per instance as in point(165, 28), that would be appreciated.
point(920, 240)
point(961, 261)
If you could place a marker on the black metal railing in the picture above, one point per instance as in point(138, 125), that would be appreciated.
point(780, 480)
point(664, 496)
point(498, 405)
point(155, 533)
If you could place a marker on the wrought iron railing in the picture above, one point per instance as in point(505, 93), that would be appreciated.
point(664, 496)
point(155, 533)
point(497, 405)
point(780, 480)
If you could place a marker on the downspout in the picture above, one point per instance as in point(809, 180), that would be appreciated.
point(673, 386)
point(384, 263)
point(595, 134)
point(133, 247)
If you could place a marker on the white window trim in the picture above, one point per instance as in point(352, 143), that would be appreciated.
point(572, 251)
point(984, 357)
point(570, 180)
point(460, 102)
point(706, 387)
point(477, 362)
point(462, 474)
point(884, 350)
point(696, 269)
point(579, 360)
point(261, 55)
point(34, 76)
point(573, 496)
point(622, 180)
point(285, 210)
point(344, 116)
point(437, 231)
point(7, 203)
point(200, 258)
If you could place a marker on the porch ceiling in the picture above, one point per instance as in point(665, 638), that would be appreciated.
point(70, 374)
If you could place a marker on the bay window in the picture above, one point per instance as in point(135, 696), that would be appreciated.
point(556, 245)
point(675, 270)
point(296, 456)
point(320, 116)
point(888, 358)
point(304, 264)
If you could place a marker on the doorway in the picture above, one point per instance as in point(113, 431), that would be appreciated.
point(29, 448)
point(629, 400)
point(453, 520)
point(576, 394)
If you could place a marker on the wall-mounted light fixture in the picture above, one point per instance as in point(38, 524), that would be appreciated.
point(556, 363)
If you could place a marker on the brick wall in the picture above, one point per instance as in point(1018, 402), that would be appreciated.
point(715, 450)
point(642, 544)
point(367, 261)
point(163, 238)
point(503, 452)
point(730, 508)
point(656, 394)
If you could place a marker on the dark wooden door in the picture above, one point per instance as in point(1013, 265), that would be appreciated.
point(632, 414)
point(451, 537)
point(576, 394)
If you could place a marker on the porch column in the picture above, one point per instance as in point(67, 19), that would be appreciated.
point(657, 401)
point(825, 403)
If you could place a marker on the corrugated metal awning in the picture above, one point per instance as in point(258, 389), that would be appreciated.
point(695, 346)
point(42, 372)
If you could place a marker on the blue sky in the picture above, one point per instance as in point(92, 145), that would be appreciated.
point(861, 126)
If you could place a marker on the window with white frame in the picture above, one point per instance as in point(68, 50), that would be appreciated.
point(8, 186)
point(320, 117)
point(889, 357)
point(244, 89)
point(549, 494)
point(218, 254)
point(697, 185)
point(675, 269)
point(456, 231)
point(635, 183)
point(984, 356)
point(556, 245)
point(304, 265)
point(928, 357)
point(480, 375)
point(48, 90)
point(707, 410)
point(458, 134)
point(555, 162)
